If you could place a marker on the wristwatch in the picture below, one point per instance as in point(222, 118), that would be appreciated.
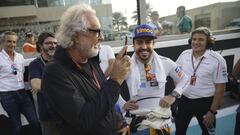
point(175, 94)
point(211, 111)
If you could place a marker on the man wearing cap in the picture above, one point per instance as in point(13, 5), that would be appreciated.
point(29, 48)
point(146, 81)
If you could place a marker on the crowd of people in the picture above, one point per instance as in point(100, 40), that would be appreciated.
point(78, 81)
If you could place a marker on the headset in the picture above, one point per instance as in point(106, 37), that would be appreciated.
point(206, 31)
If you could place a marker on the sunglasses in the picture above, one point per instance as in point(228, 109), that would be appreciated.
point(14, 69)
point(97, 31)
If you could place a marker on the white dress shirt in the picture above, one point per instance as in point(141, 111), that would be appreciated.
point(8, 80)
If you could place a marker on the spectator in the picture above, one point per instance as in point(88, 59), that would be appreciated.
point(46, 46)
point(14, 98)
point(184, 23)
point(155, 23)
point(148, 104)
point(107, 58)
point(29, 47)
point(208, 73)
point(73, 82)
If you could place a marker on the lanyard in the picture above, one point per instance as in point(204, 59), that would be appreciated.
point(95, 80)
point(43, 61)
point(195, 69)
point(93, 77)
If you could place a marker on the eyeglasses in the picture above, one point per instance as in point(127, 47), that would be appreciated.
point(97, 31)
point(14, 69)
point(147, 68)
point(50, 43)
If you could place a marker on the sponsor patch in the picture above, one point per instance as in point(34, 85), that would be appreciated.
point(143, 85)
point(179, 71)
point(224, 72)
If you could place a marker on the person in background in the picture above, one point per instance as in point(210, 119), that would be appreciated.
point(73, 82)
point(29, 47)
point(236, 75)
point(13, 96)
point(208, 75)
point(46, 46)
point(154, 23)
point(184, 22)
point(107, 58)
point(146, 81)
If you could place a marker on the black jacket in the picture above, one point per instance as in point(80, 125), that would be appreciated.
point(82, 109)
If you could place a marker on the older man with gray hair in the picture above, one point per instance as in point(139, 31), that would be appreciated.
point(74, 84)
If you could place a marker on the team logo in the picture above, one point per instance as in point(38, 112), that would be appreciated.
point(179, 71)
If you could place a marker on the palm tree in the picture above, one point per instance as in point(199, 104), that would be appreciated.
point(148, 12)
point(119, 21)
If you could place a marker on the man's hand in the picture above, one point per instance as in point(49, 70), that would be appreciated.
point(130, 105)
point(167, 101)
point(121, 66)
point(36, 85)
point(208, 118)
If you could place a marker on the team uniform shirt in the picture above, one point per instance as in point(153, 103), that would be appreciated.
point(146, 84)
point(29, 48)
point(149, 92)
point(11, 72)
point(212, 69)
point(105, 54)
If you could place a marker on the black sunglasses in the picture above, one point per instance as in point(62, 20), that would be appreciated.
point(14, 69)
point(98, 31)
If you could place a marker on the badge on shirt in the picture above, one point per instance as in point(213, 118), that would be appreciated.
point(153, 84)
point(193, 80)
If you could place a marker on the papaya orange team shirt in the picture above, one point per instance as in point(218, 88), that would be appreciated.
point(29, 48)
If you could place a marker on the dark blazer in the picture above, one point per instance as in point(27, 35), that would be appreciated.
point(71, 93)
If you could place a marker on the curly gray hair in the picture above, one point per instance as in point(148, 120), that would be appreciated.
point(73, 20)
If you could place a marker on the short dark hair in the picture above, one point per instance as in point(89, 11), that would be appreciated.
point(41, 39)
point(182, 10)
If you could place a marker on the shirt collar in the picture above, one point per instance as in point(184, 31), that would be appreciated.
point(5, 53)
point(205, 55)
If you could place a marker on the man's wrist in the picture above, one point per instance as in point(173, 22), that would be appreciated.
point(175, 94)
point(212, 112)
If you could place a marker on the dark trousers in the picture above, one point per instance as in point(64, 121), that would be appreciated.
point(187, 108)
point(15, 103)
